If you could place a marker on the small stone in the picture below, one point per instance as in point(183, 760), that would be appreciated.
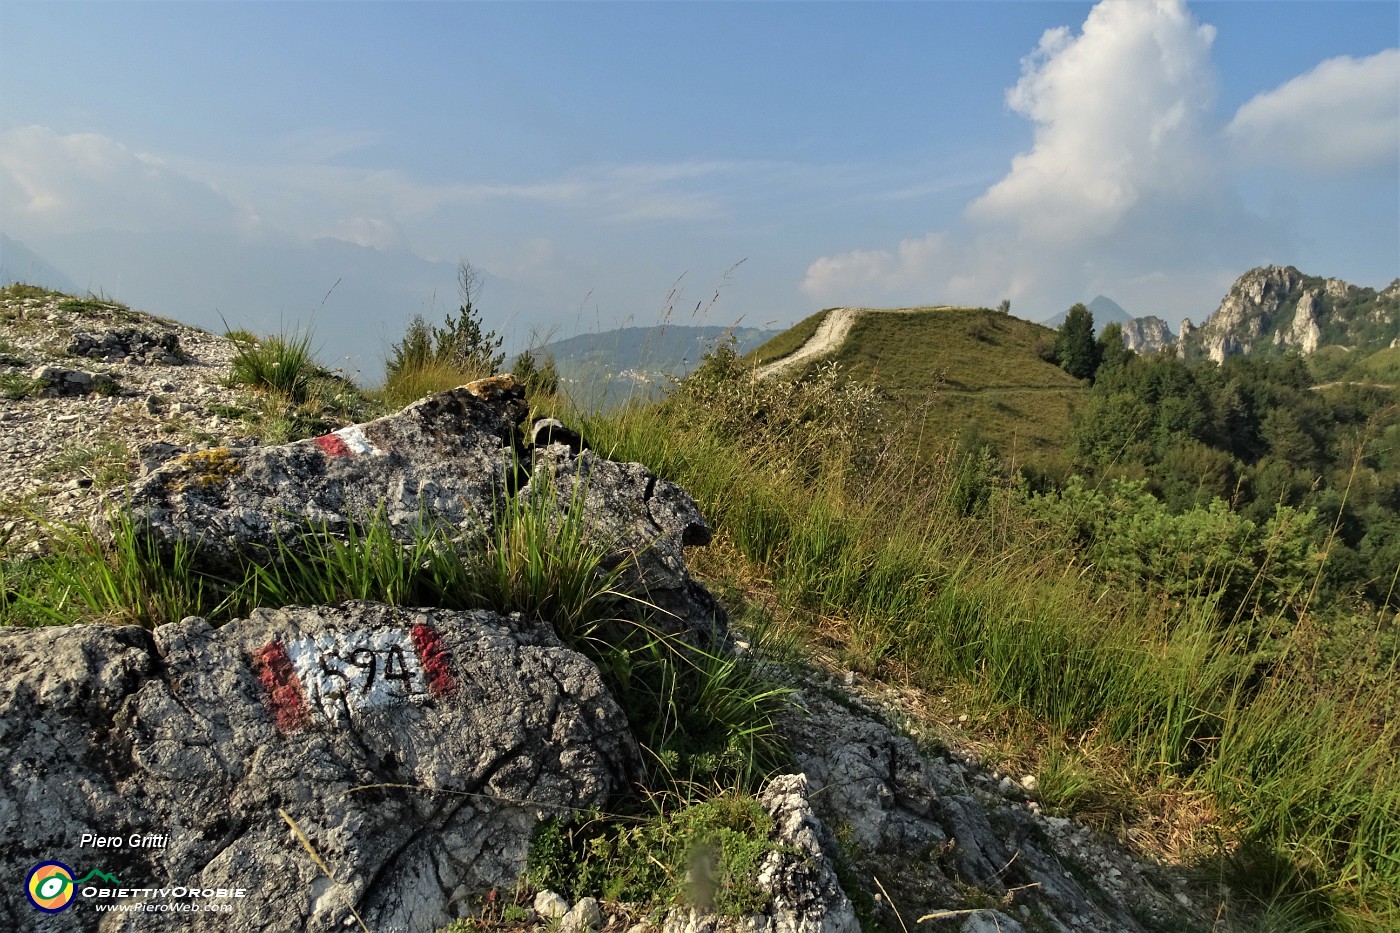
point(1029, 782)
point(584, 917)
point(550, 906)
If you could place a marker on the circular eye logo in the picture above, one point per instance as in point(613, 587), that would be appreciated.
point(50, 886)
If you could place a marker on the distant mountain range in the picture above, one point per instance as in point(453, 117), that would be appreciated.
point(1105, 310)
point(18, 263)
point(613, 365)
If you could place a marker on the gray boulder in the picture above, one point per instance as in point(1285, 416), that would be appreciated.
point(445, 460)
point(414, 750)
point(645, 524)
point(450, 460)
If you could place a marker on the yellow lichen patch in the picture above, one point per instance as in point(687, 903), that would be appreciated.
point(205, 468)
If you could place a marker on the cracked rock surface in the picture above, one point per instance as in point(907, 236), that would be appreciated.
point(415, 749)
point(946, 839)
point(449, 461)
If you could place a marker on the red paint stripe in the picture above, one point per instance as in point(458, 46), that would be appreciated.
point(284, 697)
point(334, 446)
point(434, 660)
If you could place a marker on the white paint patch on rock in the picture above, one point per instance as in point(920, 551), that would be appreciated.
point(345, 672)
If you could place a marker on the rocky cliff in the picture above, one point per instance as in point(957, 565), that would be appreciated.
point(1147, 335)
point(1277, 309)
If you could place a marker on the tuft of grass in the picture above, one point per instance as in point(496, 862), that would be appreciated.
point(411, 383)
point(98, 305)
point(281, 364)
point(22, 290)
point(15, 385)
point(129, 583)
point(105, 462)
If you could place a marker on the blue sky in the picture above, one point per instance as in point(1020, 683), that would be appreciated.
point(601, 163)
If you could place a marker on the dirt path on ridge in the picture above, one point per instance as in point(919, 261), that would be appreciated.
point(830, 333)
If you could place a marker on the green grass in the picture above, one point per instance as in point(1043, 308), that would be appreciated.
point(1142, 699)
point(281, 364)
point(949, 369)
point(412, 383)
point(107, 462)
point(705, 853)
point(1382, 366)
point(15, 386)
point(20, 291)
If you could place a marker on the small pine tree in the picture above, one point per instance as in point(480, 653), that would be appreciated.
point(1112, 352)
point(1075, 347)
point(460, 342)
point(539, 378)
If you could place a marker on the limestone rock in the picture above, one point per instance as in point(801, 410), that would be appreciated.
point(1147, 335)
point(1304, 332)
point(129, 345)
point(934, 829)
point(1277, 308)
point(446, 459)
point(644, 522)
point(449, 460)
point(415, 749)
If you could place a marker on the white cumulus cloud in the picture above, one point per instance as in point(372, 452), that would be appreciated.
point(1118, 114)
point(1122, 172)
point(1342, 116)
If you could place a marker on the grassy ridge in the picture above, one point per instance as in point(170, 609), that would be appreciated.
point(959, 373)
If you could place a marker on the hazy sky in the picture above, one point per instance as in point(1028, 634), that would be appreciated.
point(603, 162)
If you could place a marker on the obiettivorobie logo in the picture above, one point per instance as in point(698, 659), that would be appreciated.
point(50, 885)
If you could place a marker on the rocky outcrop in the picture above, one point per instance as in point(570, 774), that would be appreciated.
point(412, 749)
point(129, 345)
point(1303, 333)
point(59, 380)
point(1147, 335)
point(941, 833)
point(448, 462)
point(1278, 309)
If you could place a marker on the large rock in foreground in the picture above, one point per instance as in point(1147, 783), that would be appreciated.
point(450, 461)
point(415, 749)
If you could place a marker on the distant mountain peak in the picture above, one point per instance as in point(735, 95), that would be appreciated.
point(1104, 309)
point(1108, 311)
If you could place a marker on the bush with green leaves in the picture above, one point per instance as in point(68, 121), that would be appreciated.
point(806, 424)
point(1210, 554)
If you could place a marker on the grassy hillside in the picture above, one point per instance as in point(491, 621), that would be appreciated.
point(963, 373)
